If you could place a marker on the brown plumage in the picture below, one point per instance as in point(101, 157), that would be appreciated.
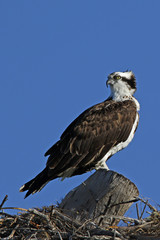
point(86, 141)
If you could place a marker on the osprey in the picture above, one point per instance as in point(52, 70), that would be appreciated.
point(94, 136)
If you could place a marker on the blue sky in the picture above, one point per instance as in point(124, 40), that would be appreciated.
point(54, 60)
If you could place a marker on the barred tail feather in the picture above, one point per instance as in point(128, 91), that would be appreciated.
point(36, 184)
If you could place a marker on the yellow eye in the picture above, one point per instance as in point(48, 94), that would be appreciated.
point(117, 77)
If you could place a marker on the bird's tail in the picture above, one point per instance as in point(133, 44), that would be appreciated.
point(36, 184)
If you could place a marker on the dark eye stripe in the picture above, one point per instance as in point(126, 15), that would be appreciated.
point(131, 82)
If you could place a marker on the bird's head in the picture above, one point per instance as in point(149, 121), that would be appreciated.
point(122, 84)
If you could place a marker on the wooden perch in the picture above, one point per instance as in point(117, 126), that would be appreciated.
point(102, 196)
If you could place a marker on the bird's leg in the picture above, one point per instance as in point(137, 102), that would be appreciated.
point(102, 165)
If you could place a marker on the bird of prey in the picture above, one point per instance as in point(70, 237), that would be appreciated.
point(94, 136)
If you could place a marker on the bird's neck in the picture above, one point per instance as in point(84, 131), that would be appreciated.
point(123, 95)
point(118, 92)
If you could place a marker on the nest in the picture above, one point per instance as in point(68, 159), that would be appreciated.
point(52, 223)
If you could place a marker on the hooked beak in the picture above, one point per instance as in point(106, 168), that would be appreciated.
point(110, 81)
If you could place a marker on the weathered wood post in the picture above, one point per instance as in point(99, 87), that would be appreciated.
point(102, 196)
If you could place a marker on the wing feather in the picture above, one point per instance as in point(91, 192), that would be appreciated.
point(90, 136)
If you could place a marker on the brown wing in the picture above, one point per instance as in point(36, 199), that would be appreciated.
point(86, 141)
point(90, 136)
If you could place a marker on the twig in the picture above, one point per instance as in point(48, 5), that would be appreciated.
point(60, 236)
point(16, 208)
point(126, 219)
point(137, 209)
point(67, 218)
point(52, 223)
point(130, 201)
point(52, 211)
point(13, 232)
point(117, 234)
point(111, 232)
point(144, 209)
point(4, 200)
point(43, 216)
point(6, 214)
point(14, 221)
point(83, 225)
point(148, 204)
